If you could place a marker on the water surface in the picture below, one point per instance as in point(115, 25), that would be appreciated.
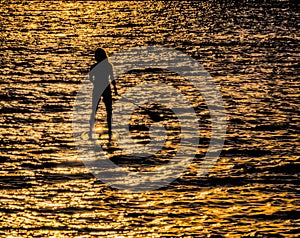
point(252, 52)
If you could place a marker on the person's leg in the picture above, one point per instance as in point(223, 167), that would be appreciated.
point(108, 106)
point(95, 104)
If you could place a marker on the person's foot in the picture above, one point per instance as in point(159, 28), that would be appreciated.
point(109, 134)
point(90, 135)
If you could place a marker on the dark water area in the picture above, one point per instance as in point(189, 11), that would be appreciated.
point(252, 52)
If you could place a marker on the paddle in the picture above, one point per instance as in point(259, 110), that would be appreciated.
point(153, 114)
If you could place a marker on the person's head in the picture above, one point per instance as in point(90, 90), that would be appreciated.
point(100, 55)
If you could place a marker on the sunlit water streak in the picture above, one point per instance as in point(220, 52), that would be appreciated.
point(251, 51)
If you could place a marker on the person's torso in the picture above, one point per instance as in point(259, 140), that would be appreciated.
point(101, 73)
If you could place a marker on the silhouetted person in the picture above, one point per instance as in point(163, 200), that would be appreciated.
point(101, 77)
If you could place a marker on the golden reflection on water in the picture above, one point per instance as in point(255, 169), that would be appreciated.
point(46, 51)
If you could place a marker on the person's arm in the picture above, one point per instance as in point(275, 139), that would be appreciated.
point(114, 84)
point(113, 81)
point(91, 77)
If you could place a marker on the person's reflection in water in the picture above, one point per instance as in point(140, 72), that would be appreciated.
point(101, 76)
